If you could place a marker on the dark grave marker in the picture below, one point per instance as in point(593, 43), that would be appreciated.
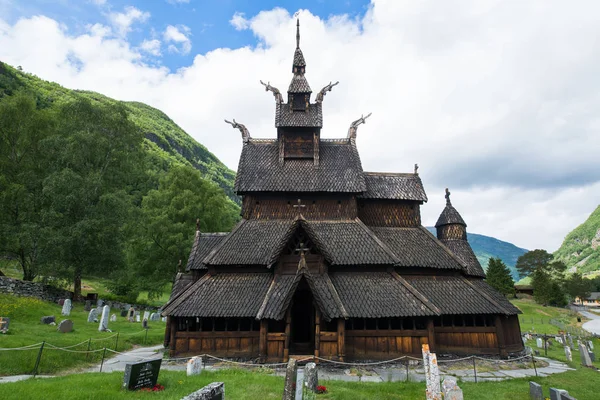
point(140, 375)
point(4, 324)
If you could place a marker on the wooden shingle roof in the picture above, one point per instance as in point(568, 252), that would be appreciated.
point(462, 249)
point(449, 216)
point(382, 185)
point(339, 169)
point(203, 245)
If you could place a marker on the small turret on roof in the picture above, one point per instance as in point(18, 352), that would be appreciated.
point(449, 215)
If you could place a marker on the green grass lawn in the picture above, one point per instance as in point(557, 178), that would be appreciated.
point(536, 318)
point(26, 329)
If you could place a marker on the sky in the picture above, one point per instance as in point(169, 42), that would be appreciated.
point(497, 100)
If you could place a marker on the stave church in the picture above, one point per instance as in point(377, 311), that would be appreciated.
point(330, 260)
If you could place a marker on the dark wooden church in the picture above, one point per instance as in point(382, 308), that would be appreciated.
point(330, 260)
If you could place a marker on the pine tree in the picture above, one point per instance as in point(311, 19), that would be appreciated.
point(498, 276)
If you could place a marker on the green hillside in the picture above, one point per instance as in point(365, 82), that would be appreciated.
point(486, 247)
point(165, 141)
point(581, 248)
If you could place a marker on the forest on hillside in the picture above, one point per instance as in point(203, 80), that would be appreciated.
point(83, 190)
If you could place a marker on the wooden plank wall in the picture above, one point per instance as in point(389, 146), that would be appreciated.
point(512, 333)
point(373, 344)
point(328, 344)
point(477, 340)
point(275, 346)
point(220, 344)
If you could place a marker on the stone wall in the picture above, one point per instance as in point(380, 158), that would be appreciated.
point(32, 289)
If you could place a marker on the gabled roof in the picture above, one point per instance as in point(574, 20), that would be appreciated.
point(449, 216)
point(459, 295)
point(416, 247)
point(203, 245)
point(382, 185)
point(182, 281)
point(462, 249)
point(312, 117)
point(259, 169)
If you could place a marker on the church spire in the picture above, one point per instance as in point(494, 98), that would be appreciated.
point(450, 224)
point(299, 64)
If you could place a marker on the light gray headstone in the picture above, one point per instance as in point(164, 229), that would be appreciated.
point(93, 315)
point(448, 384)
point(164, 319)
point(103, 326)
point(454, 394)
point(535, 391)
point(566, 396)
point(586, 361)
point(289, 390)
point(433, 389)
point(113, 318)
point(568, 353)
point(48, 319)
point(555, 394)
point(4, 324)
point(591, 345)
point(130, 313)
point(137, 318)
point(540, 342)
point(88, 305)
point(65, 326)
point(212, 391)
point(99, 303)
point(155, 317)
point(66, 310)
point(146, 315)
point(570, 340)
point(194, 366)
point(311, 377)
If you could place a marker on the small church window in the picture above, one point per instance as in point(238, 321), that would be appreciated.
point(420, 323)
point(396, 323)
point(207, 324)
point(276, 326)
point(371, 324)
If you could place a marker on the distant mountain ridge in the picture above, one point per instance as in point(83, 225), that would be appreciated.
point(486, 247)
point(581, 248)
point(165, 142)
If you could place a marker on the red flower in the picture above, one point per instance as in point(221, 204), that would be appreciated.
point(321, 389)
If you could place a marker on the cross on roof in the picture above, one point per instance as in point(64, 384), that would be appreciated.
point(447, 197)
point(301, 249)
point(299, 205)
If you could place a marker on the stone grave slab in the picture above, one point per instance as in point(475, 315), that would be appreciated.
point(311, 377)
point(88, 305)
point(535, 391)
point(212, 391)
point(194, 366)
point(66, 310)
point(539, 342)
point(113, 318)
point(65, 326)
point(289, 390)
point(103, 326)
point(586, 361)
point(93, 315)
point(142, 374)
point(146, 315)
point(568, 353)
point(555, 394)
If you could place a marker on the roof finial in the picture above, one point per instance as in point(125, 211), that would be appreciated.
point(242, 128)
point(448, 203)
point(354, 126)
point(298, 33)
point(416, 169)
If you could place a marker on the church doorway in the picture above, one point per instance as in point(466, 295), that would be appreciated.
point(302, 329)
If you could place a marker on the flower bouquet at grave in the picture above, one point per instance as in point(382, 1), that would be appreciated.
point(156, 388)
point(321, 389)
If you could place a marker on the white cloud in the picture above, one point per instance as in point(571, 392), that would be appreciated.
point(123, 21)
point(239, 21)
point(179, 36)
point(497, 100)
point(99, 30)
point(151, 46)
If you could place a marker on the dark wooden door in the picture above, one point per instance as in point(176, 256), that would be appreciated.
point(302, 332)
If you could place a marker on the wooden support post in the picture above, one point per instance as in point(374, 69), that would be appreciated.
point(286, 346)
point(262, 341)
point(317, 334)
point(172, 341)
point(168, 332)
point(500, 337)
point(341, 330)
point(431, 334)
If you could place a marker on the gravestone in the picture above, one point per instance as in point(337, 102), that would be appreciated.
point(592, 355)
point(61, 302)
point(194, 366)
point(145, 323)
point(65, 326)
point(104, 319)
point(155, 317)
point(146, 315)
point(535, 391)
point(566, 396)
point(142, 374)
point(311, 377)
point(130, 314)
point(289, 389)
point(591, 345)
point(433, 390)
point(99, 303)
point(540, 342)
point(585, 356)
point(212, 391)
point(556, 394)
point(113, 318)
point(4, 324)
point(137, 318)
point(568, 353)
point(123, 313)
point(450, 389)
point(88, 305)
point(164, 319)
point(66, 310)
point(48, 319)
point(570, 340)
point(93, 315)
point(559, 340)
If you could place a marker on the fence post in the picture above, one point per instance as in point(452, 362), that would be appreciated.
point(117, 341)
point(39, 358)
point(407, 370)
point(474, 369)
point(146, 336)
point(103, 355)
point(533, 361)
point(87, 355)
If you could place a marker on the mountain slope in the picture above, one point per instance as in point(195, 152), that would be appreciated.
point(165, 141)
point(581, 248)
point(486, 247)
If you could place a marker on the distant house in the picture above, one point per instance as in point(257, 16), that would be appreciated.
point(592, 301)
point(524, 289)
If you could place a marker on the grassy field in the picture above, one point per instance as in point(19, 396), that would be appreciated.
point(26, 329)
point(536, 318)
